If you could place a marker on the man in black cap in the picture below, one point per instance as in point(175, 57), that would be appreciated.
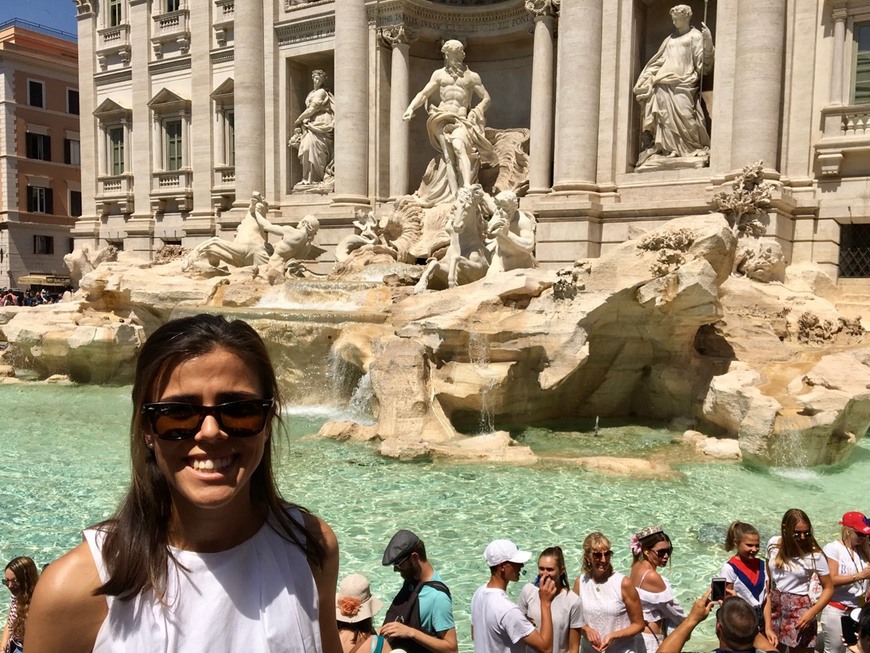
point(420, 619)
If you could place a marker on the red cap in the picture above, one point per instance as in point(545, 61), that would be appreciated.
point(856, 521)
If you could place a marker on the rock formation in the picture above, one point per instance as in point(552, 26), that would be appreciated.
point(658, 328)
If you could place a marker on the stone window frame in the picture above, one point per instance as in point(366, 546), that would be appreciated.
point(116, 13)
point(112, 117)
point(224, 109)
point(167, 106)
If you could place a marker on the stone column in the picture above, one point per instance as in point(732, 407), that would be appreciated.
point(577, 90)
point(541, 144)
point(86, 228)
point(249, 66)
point(757, 83)
point(839, 15)
point(399, 38)
point(351, 102)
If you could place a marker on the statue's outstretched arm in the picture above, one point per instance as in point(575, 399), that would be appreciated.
point(422, 96)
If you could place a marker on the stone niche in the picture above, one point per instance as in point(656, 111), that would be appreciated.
point(298, 71)
point(652, 24)
point(505, 68)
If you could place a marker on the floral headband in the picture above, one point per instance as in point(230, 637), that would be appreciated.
point(643, 533)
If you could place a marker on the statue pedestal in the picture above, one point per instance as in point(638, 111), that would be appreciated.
point(659, 162)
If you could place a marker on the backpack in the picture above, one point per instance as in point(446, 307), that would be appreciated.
point(405, 609)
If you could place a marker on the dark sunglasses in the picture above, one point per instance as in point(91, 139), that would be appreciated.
point(803, 534)
point(661, 553)
point(170, 420)
point(602, 555)
point(8, 582)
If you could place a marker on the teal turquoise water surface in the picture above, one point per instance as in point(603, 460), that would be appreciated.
point(63, 451)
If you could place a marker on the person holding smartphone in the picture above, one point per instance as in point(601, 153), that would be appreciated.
point(565, 606)
point(848, 560)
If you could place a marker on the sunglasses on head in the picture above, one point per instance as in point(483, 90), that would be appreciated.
point(171, 420)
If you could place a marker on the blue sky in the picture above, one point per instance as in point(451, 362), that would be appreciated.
point(57, 14)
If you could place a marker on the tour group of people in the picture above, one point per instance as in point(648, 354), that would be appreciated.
point(204, 554)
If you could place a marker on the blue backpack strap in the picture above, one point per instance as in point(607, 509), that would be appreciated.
point(377, 644)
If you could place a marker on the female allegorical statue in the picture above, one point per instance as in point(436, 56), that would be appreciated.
point(668, 91)
point(313, 136)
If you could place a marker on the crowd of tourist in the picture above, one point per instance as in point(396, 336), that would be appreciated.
point(13, 297)
point(204, 554)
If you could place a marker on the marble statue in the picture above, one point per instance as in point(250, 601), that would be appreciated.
point(296, 245)
point(456, 129)
point(511, 235)
point(313, 136)
point(248, 247)
point(668, 91)
point(466, 258)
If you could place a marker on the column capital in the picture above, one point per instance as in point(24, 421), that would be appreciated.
point(84, 7)
point(839, 13)
point(396, 35)
point(543, 8)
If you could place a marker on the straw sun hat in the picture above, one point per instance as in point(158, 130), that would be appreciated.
point(354, 601)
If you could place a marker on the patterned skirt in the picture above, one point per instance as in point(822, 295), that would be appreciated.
point(786, 609)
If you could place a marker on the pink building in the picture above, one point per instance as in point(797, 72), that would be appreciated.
point(40, 188)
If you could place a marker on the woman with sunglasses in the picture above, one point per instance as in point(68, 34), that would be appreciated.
point(848, 561)
point(20, 578)
point(203, 553)
point(800, 582)
point(611, 606)
point(651, 548)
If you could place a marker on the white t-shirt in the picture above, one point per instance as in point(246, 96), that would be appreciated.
point(498, 624)
point(565, 610)
point(850, 562)
point(742, 590)
point(794, 576)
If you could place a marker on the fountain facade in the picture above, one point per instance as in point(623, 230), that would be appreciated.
point(593, 73)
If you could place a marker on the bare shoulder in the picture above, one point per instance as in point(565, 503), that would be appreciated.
point(64, 614)
point(628, 588)
point(322, 531)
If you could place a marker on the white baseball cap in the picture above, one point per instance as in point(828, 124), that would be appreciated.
point(500, 551)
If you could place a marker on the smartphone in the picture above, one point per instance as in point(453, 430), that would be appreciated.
point(850, 634)
point(717, 585)
point(537, 581)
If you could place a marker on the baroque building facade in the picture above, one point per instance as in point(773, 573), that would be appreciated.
point(189, 106)
point(40, 196)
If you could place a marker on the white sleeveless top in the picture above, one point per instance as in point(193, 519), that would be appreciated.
point(257, 596)
point(605, 611)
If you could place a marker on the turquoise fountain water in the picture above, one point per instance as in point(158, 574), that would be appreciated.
point(64, 459)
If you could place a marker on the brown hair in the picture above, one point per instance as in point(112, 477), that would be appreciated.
point(136, 549)
point(556, 552)
point(593, 542)
point(788, 545)
point(736, 532)
point(647, 543)
point(26, 574)
point(737, 623)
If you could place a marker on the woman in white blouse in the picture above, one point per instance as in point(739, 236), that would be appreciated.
point(801, 582)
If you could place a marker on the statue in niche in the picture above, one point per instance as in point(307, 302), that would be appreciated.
point(313, 137)
point(511, 235)
point(456, 129)
point(466, 258)
point(668, 91)
point(248, 247)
